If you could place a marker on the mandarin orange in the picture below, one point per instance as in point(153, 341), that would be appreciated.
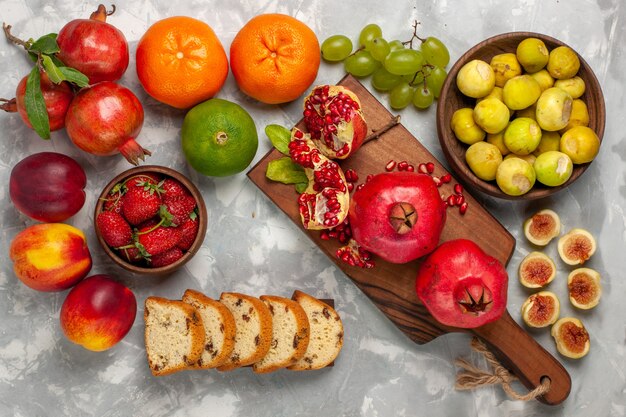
point(275, 58)
point(181, 62)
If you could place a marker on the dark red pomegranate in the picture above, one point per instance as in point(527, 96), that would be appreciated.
point(324, 203)
point(106, 118)
point(398, 216)
point(334, 118)
point(56, 96)
point(461, 285)
point(48, 186)
point(95, 48)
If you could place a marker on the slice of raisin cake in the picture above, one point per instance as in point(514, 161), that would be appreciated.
point(253, 323)
point(219, 329)
point(290, 334)
point(174, 335)
point(326, 333)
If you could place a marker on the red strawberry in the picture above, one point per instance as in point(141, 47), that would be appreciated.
point(141, 180)
point(131, 255)
point(113, 203)
point(141, 203)
point(168, 257)
point(173, 188)
point(189, 230)
point(180, 207)
point(114, 229)
point(153, 240)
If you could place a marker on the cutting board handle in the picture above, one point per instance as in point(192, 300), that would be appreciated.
point(523, 356)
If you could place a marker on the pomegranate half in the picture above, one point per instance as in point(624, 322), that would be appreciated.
point(398, 216)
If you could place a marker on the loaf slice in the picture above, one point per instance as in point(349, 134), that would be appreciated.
point(290, 334)
point(326, 333)
point(253, 322)
point(219, 329)
point(174, 335)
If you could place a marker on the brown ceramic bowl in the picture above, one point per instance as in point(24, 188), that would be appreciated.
point(451, 99)
point(202, 218)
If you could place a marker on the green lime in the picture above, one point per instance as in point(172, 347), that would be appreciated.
point(219, 138)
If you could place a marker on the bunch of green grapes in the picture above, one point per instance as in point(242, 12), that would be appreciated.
point(409, 75)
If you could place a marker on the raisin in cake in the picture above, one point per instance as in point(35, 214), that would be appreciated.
point(174, 335)
point(290, 334)
point(219, 329)
point(253, 323)
point(326, 333)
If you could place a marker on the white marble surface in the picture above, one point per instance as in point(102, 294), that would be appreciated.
point(252, 247)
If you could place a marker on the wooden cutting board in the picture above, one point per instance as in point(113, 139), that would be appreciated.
point(392, 286)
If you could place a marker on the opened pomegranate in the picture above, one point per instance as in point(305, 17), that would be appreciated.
point(461, 285)
point(95, 48)
point(56, 96)
point(397, 215)
point(105, 119)
point(324, 203)
point(334, 118)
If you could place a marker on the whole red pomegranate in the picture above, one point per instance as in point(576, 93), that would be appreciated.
point(333, 117)
point(56, 96)
point(398, 216)
point(95, 48)
point(324, 203)
point(106, 118)
point(461, 285)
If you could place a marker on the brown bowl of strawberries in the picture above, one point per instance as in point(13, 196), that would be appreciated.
point(150, 220)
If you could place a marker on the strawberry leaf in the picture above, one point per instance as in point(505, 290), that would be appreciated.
point(142, 250)
point(194, 214)
point(280, 137)
point(167, 219)
point(35, 104)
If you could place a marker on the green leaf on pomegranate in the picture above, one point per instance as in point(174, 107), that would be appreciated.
point(35, 105)
point(47, 45)
point(280, 137)
point(301, 187)
point(286, 171)
point(55, 75)
point(74, 76)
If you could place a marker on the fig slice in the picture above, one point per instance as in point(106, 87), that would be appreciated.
point(541, 309)
point(536, 270)
point(584, 288)
point(576, 246)
point(542, 227)
point(571, 337)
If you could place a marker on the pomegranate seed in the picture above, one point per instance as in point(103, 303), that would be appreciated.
point(463, 208)
point(324, 235)
point(369, 177)
point(446, 178)
point(458, 188)
point(333, 234)
point(343, 238)
point(390, 165)
point(402, 165)
point(460, 200)
point(422, 168)
point(360, 186)
point(437, 181)
point(451, 200)
point(351, 175)
point(350, 186)
point(430, 167)
point(410, 168)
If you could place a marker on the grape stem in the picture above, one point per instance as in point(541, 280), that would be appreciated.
point(379, 132)
point(432, 67)
point(360, 48)
point(415, 36)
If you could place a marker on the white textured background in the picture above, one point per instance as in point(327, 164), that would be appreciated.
point(252, 247)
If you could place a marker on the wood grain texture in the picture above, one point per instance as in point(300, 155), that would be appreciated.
point(454, 150)
point(392, 286)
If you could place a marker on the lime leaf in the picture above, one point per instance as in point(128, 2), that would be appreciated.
point(74, 76)
point(35, 105)
point(286, 171)
point(46, 45)
point(280, 137)
point(52, 70)
point(301, 187)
